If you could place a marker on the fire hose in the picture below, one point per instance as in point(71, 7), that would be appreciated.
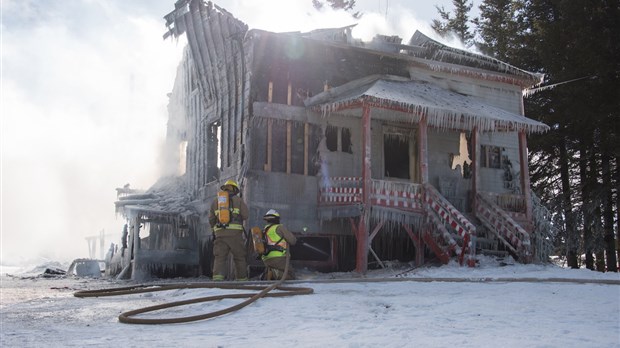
point(129, 316)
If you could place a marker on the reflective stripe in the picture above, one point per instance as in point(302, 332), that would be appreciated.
point(228, 227)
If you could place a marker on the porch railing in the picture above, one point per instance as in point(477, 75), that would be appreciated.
point(444, 215)
point(512, 235)
point(445, 219)
point(340, 190)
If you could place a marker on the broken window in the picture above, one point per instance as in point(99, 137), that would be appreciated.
point(490, 156)
point(345, 136)
point(297, 148)
point(312, 159)
point(331, 138)
point(278, 147)
point(214, 151)
point(396, 155)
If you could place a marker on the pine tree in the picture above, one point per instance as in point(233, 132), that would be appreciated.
point(346, 5)
point(457, 25)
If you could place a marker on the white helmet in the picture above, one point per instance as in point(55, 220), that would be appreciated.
point(271, 214)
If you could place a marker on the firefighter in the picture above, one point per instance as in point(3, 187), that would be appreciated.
point(277, 240)
point(229, 235)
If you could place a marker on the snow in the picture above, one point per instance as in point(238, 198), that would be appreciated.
point(518, 306)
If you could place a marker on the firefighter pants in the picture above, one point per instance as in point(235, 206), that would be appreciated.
point(276, 265)
point(229, 242)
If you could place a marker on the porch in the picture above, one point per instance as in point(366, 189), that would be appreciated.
point(428, 218)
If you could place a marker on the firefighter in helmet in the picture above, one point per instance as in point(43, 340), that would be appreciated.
point(277, 240)
point(229, 235)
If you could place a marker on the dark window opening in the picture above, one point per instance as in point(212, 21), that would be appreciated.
point(314, 138)
point(331, 138)
point(347, 145)
point(297, 148)
point(396, 155)
point(490, 156)
point(278, 147)
point(213, 152)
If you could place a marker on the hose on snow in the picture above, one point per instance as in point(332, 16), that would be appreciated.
point(263, 291)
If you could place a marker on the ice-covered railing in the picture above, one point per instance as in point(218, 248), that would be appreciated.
point(513, 205)
point(391, 194)
point(445, 216)
point(399, 195)
point(340, 190)
point(512, 235)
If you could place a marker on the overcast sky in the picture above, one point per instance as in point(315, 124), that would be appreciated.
point(83, 105)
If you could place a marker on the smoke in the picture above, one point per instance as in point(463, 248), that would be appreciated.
point(84, 100)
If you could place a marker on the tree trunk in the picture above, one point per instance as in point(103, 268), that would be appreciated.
point(586, 204)
point(608, 211)
point(572, 236)
point(617, 241)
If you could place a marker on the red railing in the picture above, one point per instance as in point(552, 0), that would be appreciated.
point(512, 235)
point(404, 196)
point(444, 215)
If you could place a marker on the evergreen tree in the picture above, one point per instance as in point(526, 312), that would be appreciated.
point(346, 5)
point(457, 25)
point(574, 167)
point(573, 39)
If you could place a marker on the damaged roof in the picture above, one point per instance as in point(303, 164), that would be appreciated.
point(169, 197)
point(417, 99)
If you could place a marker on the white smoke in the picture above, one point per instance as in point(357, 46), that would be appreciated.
point(83, 111)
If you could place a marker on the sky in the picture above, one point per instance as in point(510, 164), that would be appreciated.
point(396, 312)
point(83, 94)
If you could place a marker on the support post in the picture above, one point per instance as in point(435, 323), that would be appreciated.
point(423, 150)
point(525, 175)
point(361, 265)
point(135, 238)
point(419, 246)
point(475, 183)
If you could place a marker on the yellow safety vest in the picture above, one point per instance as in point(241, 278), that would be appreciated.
point(274, 241)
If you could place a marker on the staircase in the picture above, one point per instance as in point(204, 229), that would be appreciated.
point(514, 237)
point(440, 226)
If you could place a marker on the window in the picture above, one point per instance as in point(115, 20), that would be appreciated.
point(347, 145)
point(332, 140)
point(490, 156)
point(278, 146)
point(214, 151)
point(396, 155)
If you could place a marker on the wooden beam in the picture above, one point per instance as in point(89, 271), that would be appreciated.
point(525, 176)
point(289, 94)
point(269, 144)
point(306, 131)
point(419, 246)
point(288, 147)
point(423, 150)
point(475, 183)
point(362, 240)
point(375, 231)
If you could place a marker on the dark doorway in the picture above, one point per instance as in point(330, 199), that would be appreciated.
point(396, 156)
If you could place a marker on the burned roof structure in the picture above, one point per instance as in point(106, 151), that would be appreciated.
point(371, 151)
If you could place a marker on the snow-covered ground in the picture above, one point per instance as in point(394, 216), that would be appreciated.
point(522, 306)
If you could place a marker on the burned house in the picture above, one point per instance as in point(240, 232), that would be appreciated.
point(371, 151)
